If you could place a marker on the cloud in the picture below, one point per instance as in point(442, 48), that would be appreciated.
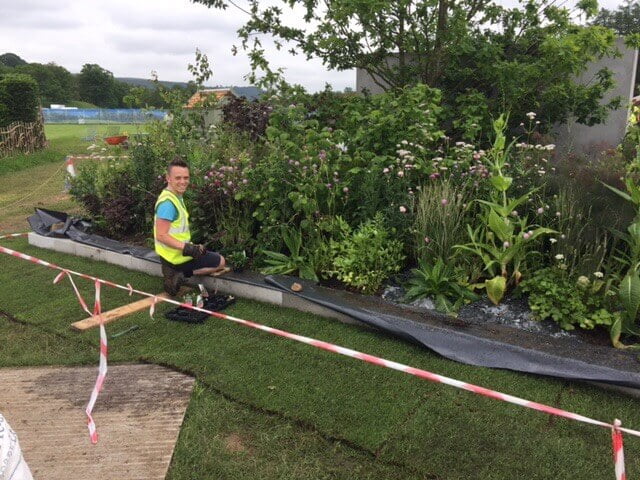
point(131, 38)
point(141, 44)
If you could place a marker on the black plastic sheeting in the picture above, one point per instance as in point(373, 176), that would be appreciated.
point(50, 223)
point(464, 347)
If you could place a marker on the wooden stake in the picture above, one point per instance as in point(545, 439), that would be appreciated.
point(116, 313)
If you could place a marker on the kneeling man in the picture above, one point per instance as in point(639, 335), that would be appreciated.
point(180, 258)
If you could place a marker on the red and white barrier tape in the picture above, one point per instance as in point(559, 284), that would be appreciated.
point(102, 368)
point(615, 428)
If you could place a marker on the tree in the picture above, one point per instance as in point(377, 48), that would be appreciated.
point(11, 60)
point(56, 84)
point(625, 20)
point(97, 85)
point(519, 59)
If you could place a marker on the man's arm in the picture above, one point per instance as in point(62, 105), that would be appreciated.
point(162, 234)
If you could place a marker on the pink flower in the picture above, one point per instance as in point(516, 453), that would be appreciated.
point(403, 209)
point(444, 202)
point(540, 210)
point(427, 239)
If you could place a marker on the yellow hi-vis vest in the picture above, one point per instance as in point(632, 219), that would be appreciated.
point(179, 230)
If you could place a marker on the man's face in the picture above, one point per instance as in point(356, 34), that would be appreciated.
point(178, 179)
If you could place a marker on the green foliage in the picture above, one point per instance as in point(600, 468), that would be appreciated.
point(294, 263)
point(584, 244)
point(440, 218)
point(18, 99)
point(502, 240)
point(11, 60)
point(438, 281)
point(521, 58)
point(364, 258)
point(55, 83)
point(119, 194)
point(584, 302)
point(625, 19)
point(98, 86)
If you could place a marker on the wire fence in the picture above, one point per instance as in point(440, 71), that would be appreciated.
point(23, 137)
point(101, 115)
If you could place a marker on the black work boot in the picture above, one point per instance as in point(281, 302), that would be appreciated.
point(173, 279)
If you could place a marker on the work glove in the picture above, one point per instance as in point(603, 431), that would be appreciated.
point(193, 250)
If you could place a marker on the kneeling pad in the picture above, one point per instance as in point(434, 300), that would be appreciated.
point(214, 303)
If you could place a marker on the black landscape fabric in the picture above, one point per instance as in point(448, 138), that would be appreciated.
point(50, 223)
point(467, 348)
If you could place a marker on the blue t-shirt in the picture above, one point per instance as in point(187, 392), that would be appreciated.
point(167, 210)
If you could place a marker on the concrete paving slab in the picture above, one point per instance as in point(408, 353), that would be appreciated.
point(138, 416)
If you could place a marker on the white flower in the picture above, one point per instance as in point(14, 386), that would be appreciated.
point(551, 146)
point(583, 281)
point(403, 209)
point(598, 274)
point(553, 240)
point(559, 257)
point(531, 115)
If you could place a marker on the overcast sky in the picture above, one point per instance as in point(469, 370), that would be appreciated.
point(131, 38)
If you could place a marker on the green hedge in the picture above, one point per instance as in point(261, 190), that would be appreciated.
point(18, 99)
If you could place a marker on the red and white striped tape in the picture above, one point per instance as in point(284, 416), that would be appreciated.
point(69, 162)
point(618, 453)
point(102, 368)
point(615, 428)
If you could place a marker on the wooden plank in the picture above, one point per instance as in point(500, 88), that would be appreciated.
point(116, 313)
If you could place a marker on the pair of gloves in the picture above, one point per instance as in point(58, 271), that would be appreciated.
point(193, 250)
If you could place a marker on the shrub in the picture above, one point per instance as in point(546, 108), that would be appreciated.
point(249, 117)
point(367, 256)
point(19, 95)
point(570, 302)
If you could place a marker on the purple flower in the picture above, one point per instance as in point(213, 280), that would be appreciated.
point(322, 155)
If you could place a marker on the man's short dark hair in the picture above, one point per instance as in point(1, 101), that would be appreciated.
point(176, 162)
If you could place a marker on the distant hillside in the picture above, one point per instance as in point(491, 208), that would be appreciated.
point(145, 82)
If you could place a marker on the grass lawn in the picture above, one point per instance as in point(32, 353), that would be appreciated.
point(265, 407)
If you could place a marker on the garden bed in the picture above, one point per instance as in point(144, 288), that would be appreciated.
point(482, 334)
